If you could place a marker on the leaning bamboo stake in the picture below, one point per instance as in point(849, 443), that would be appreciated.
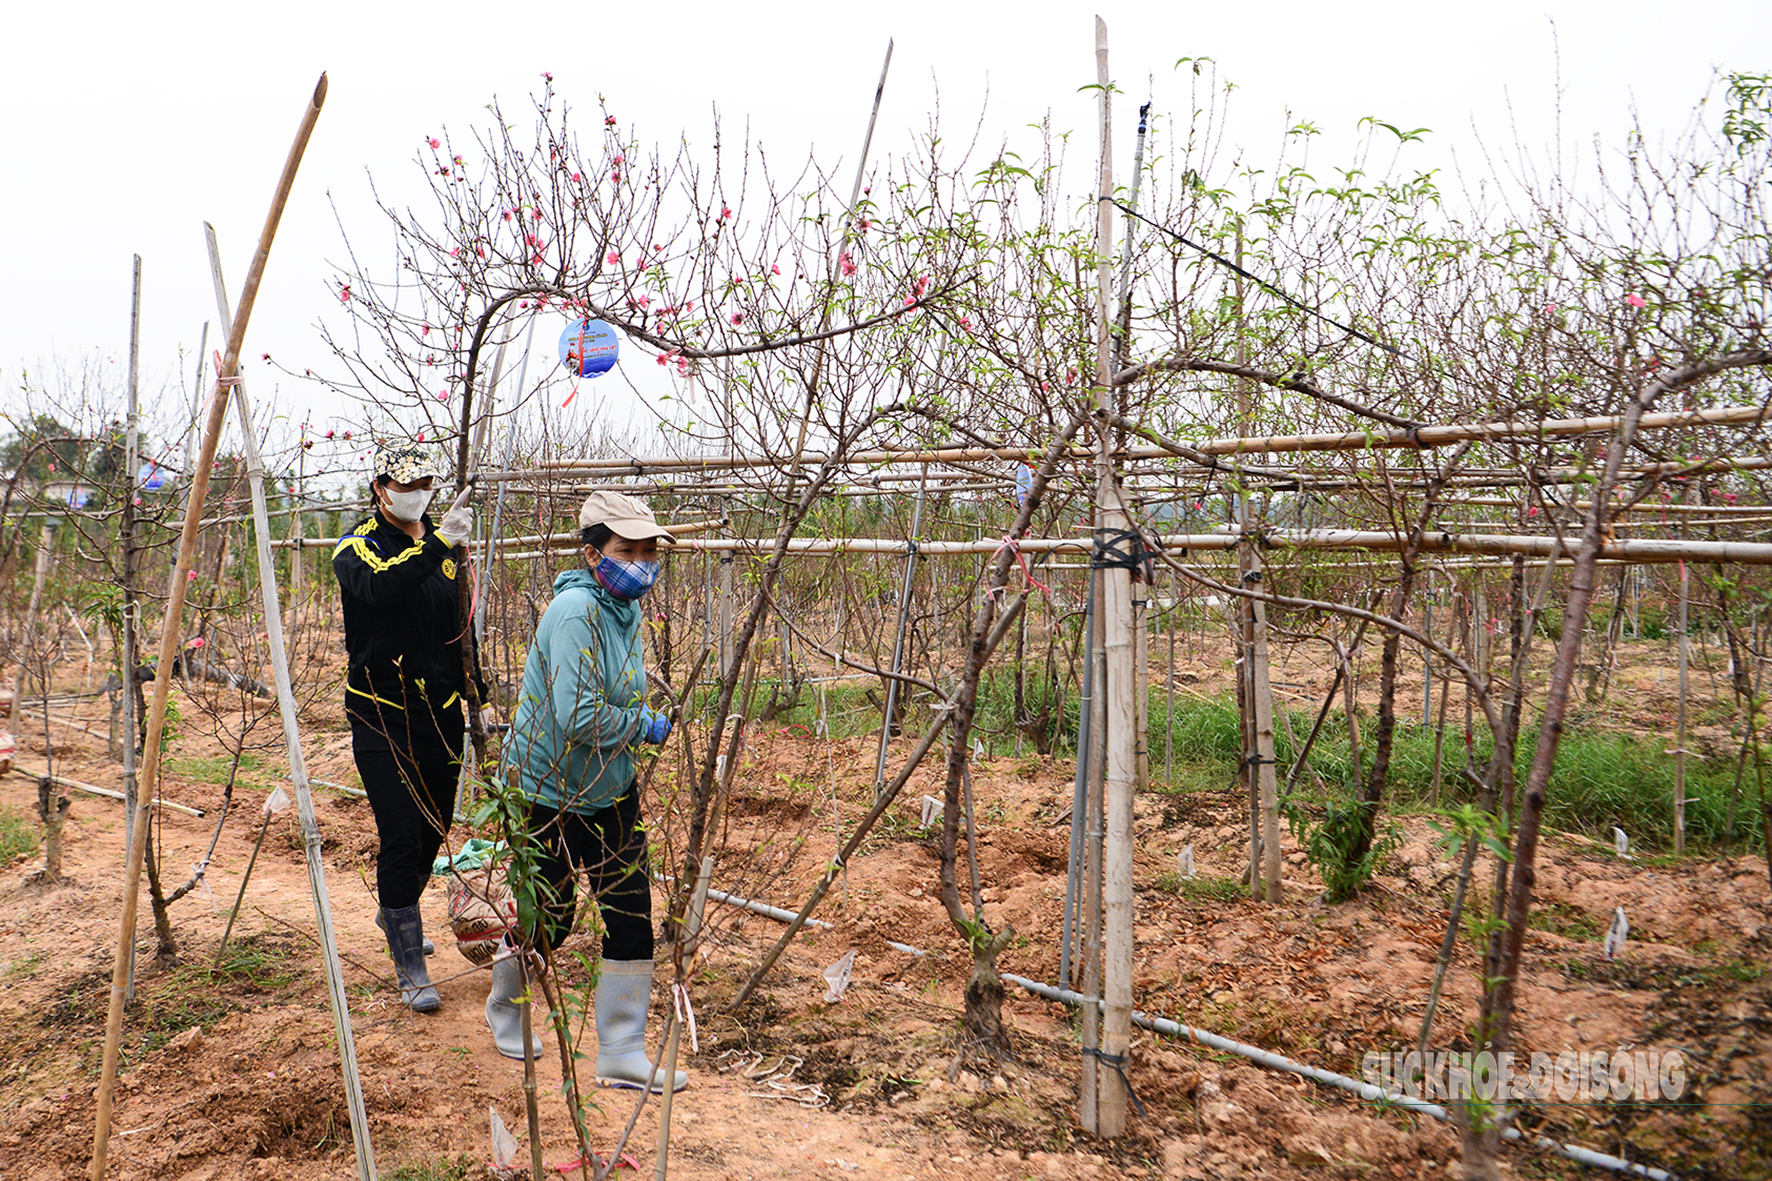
point(169, 632)
point(298, 772)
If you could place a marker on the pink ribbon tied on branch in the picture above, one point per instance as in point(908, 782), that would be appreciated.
point(1014, 548)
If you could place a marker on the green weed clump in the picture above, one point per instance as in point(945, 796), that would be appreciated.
point(442, 1169)
point(1601, 779)
point(18, 835)
point(216, 770)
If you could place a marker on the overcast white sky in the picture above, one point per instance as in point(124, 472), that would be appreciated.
point(127, 125)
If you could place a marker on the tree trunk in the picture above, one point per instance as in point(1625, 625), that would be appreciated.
point(53, 811)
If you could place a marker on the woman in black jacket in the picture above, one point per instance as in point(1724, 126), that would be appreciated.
point(403, 689)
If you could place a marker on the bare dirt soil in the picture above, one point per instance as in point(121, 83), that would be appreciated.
point(233, 1072)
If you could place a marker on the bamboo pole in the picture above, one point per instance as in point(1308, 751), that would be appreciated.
point(1438, 436)
point(1080, 794)
point(1090, 883)
point(904, 611)
point(169, 632)
point(1645, 551)
point(1679, 751)
point(1141, 695)
point(126, 543)
point(298, 580)
point(1426, 436)
point(298, 772)
point(108, 793)
point(1122, 740)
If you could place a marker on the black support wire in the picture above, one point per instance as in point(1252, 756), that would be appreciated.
point(1259, 281)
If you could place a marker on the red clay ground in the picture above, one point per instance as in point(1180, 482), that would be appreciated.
point(234, 1074)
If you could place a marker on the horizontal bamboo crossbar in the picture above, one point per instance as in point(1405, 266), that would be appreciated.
point(1646, 550)
point(1439, 436)
point(1426, 436)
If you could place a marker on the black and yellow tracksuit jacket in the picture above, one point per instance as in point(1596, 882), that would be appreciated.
point(403, 633)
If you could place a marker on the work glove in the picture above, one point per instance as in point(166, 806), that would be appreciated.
point(458, 522)
point(654, 726)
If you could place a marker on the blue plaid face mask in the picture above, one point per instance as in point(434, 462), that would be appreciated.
point(625, 580)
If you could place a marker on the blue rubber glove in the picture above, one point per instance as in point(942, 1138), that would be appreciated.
point(654, 726)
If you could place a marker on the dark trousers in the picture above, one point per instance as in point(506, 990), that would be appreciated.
point(608, 847)
point(410, 761)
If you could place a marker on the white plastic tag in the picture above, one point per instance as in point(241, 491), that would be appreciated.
point(1617, 933)
point(277, 801)
point(931, 809)
point(1184, 862)
point(504, 1145)
point(1621, 842)
point(838, 977)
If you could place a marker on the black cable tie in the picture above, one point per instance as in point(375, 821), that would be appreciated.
point(1251, 576)
point(1117, 1063)
point(1135, 557)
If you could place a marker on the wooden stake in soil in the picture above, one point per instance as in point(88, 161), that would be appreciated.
point(298, 772)
point(169, 638)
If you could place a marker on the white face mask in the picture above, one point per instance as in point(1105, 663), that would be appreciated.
point(407, 506)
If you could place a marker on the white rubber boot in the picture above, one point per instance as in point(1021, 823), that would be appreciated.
point(624, 995)
point(504, 1006)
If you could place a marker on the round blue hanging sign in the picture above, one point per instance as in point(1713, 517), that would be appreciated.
point(588, 348)
point(151, 477)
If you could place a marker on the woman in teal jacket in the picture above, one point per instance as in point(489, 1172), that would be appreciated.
point(582, 710)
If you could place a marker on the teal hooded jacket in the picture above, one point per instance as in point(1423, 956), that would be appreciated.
point(583, 688)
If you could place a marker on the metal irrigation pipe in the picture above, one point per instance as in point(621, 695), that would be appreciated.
point(1366, 1091)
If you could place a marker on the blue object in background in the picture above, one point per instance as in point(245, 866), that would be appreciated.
point(588, 348)
point(151, 477)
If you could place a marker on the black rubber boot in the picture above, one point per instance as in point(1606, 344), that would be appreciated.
point(406, 939)
point(382, 922)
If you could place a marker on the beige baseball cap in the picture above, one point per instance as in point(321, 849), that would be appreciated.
point(624, 515)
